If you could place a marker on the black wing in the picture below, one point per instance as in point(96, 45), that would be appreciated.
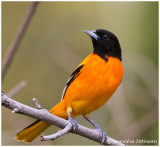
point(71, 79)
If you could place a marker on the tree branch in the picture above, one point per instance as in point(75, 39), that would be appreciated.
point(19, 36)
point(40, 114)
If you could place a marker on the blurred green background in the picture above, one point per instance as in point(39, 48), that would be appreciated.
point(54, 45)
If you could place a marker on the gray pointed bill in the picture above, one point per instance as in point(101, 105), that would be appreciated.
point(91, 33)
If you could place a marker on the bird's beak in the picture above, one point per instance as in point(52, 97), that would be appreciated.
point(92, 34)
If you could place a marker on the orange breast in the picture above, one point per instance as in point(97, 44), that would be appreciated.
point(96, 83)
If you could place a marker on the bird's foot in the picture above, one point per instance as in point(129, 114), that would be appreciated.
point(74, 123)
point(104, 135)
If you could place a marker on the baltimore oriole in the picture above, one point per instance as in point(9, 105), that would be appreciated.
point(89, 87)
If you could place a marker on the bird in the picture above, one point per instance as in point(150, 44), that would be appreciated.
point(89, 87)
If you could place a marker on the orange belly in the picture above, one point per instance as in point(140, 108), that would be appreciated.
point(96, 83)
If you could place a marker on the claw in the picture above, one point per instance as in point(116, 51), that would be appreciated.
point(71, 120)
point(104, 135)
point(74, 123)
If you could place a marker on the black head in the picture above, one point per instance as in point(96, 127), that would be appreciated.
point(105, 43)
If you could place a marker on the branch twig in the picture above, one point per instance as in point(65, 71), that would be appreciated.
point(19, 36)
point(66, 130)
point(52, 119)
point(38, 106)
point(17, 88)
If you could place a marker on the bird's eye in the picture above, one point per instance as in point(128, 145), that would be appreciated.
point(106, 38)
